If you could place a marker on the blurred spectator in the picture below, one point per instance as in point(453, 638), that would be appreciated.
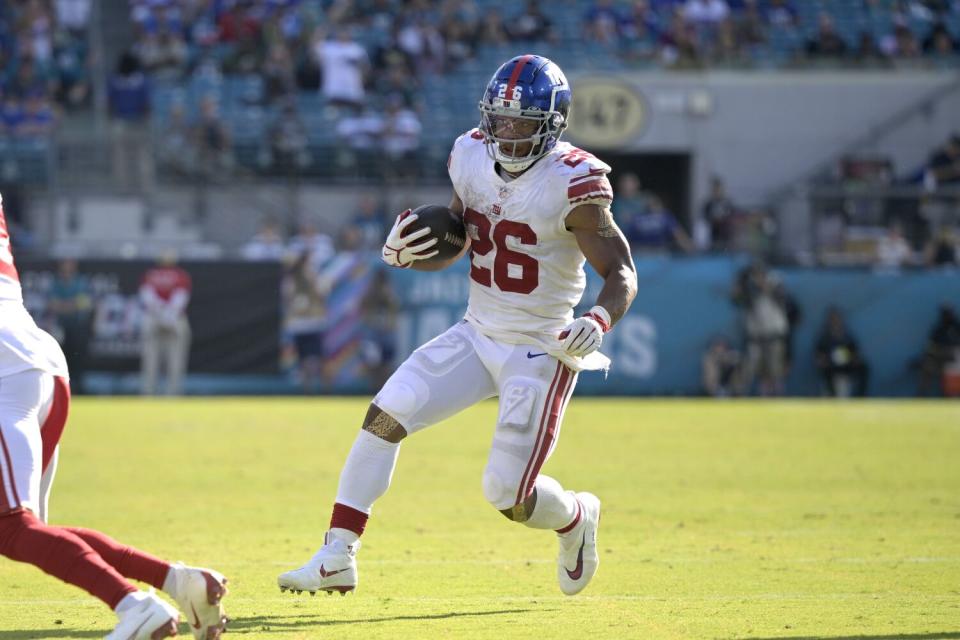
point(38, 117)
point(868, 51)
point(781, 13)
point(944, 165)
point(74, 15)
point(631, 201)
point(460, 42)
point(30, 79)
point(794, 315)
point(344, 64)
point(492, 31)
point(749, 25)
point(305, 317)
point(359, 135)
point(827, 43)
point(379, 309)
point(706, 12)
point(422, 43)
point(71, 301)
point(309, 240)
point(175, 144)
point(165, 294)
point(266, 245)
point(288, 140)
point(718, 212)
point(942, 348)
point(602, 22)
point(721, 369)
point(838, 357)
point(893, 250)
point(901, 43)
point(369, 220)
point(212, 141)
point(766, 326)
point(73, 84)
point(940, 42)
point(12, 115)
point(279, 74)
point(400, 139)
point(942, 250)
point(680, 45)
point(129, 101)
point(532, 25)
point(237, 23)
point(397, 82)
point(656, 230)
point(164, 53)
point(639, 31)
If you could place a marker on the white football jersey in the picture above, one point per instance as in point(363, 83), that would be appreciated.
point(526, 272)
point(23, 345)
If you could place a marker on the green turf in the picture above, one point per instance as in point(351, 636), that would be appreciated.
point(721, 520)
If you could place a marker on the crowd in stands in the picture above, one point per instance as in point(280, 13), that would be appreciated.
point(44, 63)
point(867, 214)
point(351, 73)
point(695, 33)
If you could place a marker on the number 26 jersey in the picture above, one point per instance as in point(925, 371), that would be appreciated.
point(526, 270)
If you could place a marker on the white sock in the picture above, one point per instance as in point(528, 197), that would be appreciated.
point(367, 471)
point(129, 600)
point(348, 537)
point(555, 508)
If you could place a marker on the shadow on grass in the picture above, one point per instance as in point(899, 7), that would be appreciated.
point(936, 635)
point(268, 623)
point(262, 624)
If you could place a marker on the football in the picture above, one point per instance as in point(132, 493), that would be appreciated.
point(445, 226)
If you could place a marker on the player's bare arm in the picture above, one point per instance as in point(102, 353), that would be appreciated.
point(607, 251)
point(456, 206)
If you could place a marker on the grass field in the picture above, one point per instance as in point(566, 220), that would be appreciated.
point(721, 520)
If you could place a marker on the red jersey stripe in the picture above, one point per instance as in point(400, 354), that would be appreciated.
point(601, 184)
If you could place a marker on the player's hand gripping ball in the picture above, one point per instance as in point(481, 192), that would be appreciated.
point(429, 232)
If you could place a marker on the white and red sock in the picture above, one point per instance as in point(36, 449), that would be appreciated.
point(365, 477)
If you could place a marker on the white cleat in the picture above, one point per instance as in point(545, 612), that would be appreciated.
point(149, 619)
point(199, 594)
point(333, 568)
point(578, 559)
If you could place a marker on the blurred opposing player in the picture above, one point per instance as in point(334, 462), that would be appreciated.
point(34, 401)
point(535, 208)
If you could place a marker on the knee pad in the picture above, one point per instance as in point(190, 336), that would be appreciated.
point(402, 396)
point(496, 491)
point(498, 487)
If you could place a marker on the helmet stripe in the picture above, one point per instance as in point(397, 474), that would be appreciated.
point(517, 70)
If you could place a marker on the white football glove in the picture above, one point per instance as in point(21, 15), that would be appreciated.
point(399, 250)
point(584, 335)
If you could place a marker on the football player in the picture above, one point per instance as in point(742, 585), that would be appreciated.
point(535, 209)
point(34, 402)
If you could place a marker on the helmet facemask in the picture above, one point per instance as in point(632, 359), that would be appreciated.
point(516, 138)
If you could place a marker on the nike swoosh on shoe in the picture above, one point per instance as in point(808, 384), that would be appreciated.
point(327, 574)
point(578, 571)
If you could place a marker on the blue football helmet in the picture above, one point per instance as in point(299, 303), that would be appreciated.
point(524, 111)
